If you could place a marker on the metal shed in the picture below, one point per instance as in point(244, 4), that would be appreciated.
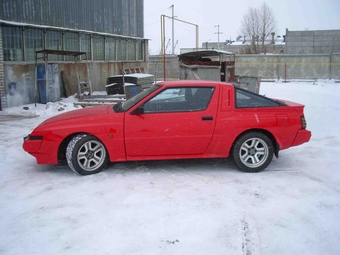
point(214, 65)
point(207, 65)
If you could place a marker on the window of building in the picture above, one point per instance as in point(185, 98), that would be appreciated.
point(21, 43)
point(139, 50)
point(12, 43)
point(131, 49)
point(54, 41)
point(34, 41)
point(121, 49)
point(71, 43)
point(110, 48)
point(98, 47)
point(85, 45)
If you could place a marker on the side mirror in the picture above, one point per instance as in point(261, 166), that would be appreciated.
point(138, 110)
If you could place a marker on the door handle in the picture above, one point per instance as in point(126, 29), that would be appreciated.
point(207, 118)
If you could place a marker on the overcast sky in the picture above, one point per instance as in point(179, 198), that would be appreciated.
point(291, 14)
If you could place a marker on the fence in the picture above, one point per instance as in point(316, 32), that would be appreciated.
point(320, 66)
point(289, 66)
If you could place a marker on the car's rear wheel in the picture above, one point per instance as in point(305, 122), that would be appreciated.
point(86, 155)
point(253, 152)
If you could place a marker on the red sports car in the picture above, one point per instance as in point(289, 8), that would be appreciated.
point(173, 120)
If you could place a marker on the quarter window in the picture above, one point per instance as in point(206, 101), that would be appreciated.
point(246, 99)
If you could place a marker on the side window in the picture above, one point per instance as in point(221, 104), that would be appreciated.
point(181, 99)
point(246, 99)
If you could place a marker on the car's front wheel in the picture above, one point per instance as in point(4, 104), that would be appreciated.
point(253, 152)
point(86, 155)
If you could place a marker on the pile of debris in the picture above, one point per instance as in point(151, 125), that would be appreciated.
point(115, 84)
point(119, 88)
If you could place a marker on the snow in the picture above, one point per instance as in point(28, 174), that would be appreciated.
point(177, 207)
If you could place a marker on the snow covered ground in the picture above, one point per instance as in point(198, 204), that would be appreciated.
point(177, 207)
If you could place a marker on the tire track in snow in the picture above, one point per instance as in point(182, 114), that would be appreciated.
point(249, 238)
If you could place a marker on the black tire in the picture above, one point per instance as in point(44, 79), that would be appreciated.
point(253, 152)
point(86, 155)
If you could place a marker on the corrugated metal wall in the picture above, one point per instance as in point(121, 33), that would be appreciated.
point(122, 17)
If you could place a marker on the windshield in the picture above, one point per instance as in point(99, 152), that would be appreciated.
point(134, 100)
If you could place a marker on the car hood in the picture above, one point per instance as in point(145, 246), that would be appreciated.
point(87, 112)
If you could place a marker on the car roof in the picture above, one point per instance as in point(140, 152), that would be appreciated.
point(197, 83)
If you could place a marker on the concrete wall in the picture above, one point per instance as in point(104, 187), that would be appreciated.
point(18, 82)
point(335, 66)
point(319, 66)
point(257, 65)
point(156, 66)
point(314, 66)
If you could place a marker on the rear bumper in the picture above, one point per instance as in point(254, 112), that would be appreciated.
point(301, 137)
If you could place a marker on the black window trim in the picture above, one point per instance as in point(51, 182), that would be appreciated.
point(279, 103)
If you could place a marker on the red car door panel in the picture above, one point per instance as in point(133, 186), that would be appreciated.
point(169, 133)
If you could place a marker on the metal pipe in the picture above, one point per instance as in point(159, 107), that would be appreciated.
point(197, 28)
point(162, 34)
point(285, 72)
point(164, 64)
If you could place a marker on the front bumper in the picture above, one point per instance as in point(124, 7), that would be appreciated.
point(33, 145)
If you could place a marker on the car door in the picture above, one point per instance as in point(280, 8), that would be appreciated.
point(177, 121)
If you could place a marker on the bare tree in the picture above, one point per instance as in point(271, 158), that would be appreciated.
point(258, 25)
point(251, 27)
point(268, 24)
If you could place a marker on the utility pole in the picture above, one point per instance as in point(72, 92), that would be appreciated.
point(173, 29)
point(218, 36)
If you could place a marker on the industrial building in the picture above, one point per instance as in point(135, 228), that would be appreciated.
point(108, 34)
point(312, 42)
point(243, 45)
point(293, 42)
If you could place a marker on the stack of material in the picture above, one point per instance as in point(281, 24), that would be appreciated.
point(144, 80)
point(114, 88)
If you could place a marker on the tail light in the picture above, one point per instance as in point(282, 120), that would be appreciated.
point(303, 122)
